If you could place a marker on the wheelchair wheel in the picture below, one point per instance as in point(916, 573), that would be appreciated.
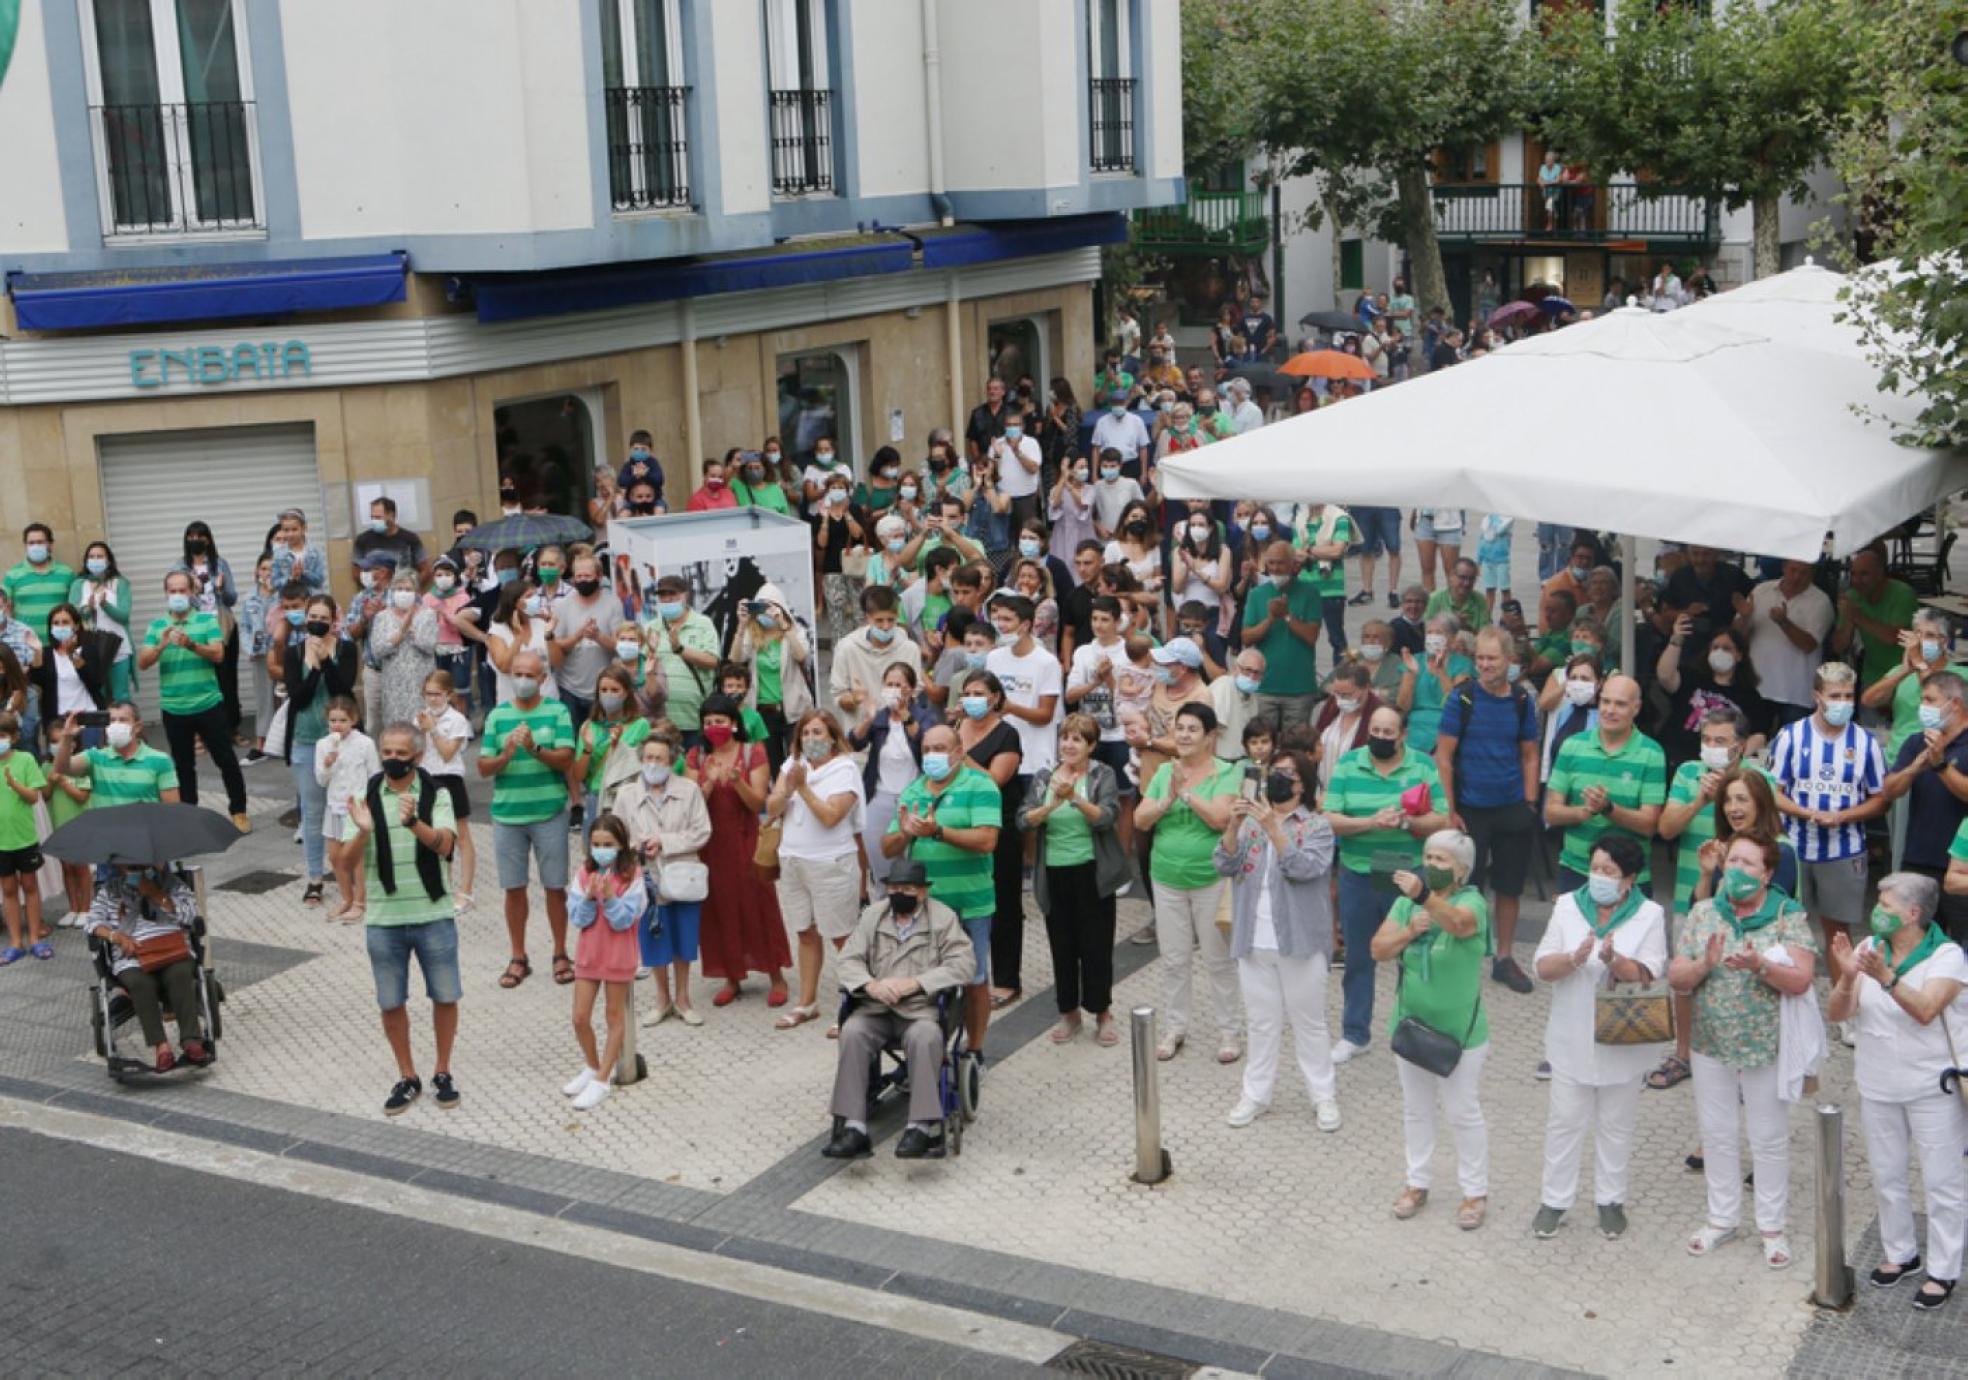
point(953, 1127)
point(214, 997)
point(970, 1080)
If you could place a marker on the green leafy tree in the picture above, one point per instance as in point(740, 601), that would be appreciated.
point(1737, 106)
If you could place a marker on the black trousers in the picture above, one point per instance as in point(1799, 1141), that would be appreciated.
point(776, 728)
point(1080, 927)
point(1008, 876)
point(229, 682)
point(180, 730)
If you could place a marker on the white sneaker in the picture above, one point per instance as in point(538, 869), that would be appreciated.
point(1346, 1050)
point(298, 837)
point(593, 1095)
point(1846, 1035)
point(1328, 1113)
point(1246, 1111)
point(578, 1084)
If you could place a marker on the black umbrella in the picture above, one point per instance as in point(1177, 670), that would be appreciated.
point(144, 834)
point(525, 532)
point(1331, 321)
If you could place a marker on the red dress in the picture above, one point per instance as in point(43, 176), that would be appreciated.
point(741, 930)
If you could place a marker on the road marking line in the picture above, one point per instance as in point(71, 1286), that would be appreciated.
point(893, 1312)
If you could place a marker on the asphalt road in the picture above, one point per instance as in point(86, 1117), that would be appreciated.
point(110, 1262)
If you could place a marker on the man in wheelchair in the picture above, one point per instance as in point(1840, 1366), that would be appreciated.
point(904, 952)
point(143, 917)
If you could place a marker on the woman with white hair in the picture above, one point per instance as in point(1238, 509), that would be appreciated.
point(1439, 930)
point(892, 536)
point(1427, 681)
point(1903, 988)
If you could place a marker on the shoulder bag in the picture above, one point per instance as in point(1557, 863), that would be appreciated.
point(685, 883)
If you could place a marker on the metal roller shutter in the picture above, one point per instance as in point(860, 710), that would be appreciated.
point(237, 479)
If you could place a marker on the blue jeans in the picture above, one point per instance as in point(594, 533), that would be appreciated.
point(1364, 901)
point(1554, 548)
point(314, 806)
point(1332, 609)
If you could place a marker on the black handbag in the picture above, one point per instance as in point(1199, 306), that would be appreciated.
point(1422, 1045)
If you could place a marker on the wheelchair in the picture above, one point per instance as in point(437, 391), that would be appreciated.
point(959, 1079)
point(110, 1007)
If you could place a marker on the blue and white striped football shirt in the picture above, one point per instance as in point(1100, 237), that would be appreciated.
point(1826, 773)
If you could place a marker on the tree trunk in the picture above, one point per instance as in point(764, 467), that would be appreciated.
point(1338, 264)
point(1766, 213)
point(1431, 283)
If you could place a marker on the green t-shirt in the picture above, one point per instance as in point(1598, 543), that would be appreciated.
point(1896, 608)
point(755, 729)
point(17, 829)
point(1958, 850)
point(875, 500)
point(935, 608)
point(1331, 585)
point(959, 878)
point(1442, 976)
point(1906, 712)
point(767, 495)
point(688, 684)
point(34, 593)
point(1184, 843)
point(412, 904)
point(143, 778)
point(1358, 791)
point(1700, 829)
point(1288, 668)
point(594, 738)
point(527, 790)
point(1636, 775)
point(187, 683)
point(765, 666)
point(1068, 837)
point(1472, 613)
point(1425, 718)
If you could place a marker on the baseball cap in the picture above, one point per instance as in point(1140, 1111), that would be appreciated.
point(1179, 649)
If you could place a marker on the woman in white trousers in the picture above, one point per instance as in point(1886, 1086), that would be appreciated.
point(1903, 987)
point(1605, 933)
point(1724, 958)
point(1278, 854)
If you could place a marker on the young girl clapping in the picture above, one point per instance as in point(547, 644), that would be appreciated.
point(608, 889)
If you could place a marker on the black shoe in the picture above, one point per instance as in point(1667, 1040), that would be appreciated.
point(447, 1092)
point(1365, 596)
point(406, 1091)
point(1393, 600)
point(290, 820)
point(848, 1144)
point(1506, 971)
point(1885, 1277)
point(918, 1144)
point(1924, 1300)
point(575, 816)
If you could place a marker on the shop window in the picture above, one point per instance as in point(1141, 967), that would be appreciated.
point(816, 400)
point(1352, 265)
point(1018, 351)
point(1548, 269)
point(548, 449)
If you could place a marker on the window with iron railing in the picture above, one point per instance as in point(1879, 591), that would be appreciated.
point(648, 147)
point(1110, 105)
point(802, 142)
point(180, 167)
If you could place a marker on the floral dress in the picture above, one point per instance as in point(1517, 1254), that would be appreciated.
point(406, 664)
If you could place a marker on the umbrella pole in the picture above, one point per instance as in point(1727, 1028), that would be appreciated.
point(1629, 554)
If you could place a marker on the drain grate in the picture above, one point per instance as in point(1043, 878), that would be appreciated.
point(258, 882)
point(1109, 1362)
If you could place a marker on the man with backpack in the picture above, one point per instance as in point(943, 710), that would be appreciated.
point(1487, 754)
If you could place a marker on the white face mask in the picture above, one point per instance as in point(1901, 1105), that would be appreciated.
point(403, 598)
point(1715, 758)
point(119, 734)
point(1348, 704)
point(1372, 652)
point(1435, 644)
point(1581, 692)
point(1721, 662)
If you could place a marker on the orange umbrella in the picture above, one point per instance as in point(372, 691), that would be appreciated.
point(1327, 364)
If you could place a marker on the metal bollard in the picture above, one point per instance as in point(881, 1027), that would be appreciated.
point(1834, 1277)
point(1151, 1161)
point(628, 1067)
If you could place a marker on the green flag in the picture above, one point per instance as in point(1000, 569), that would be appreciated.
point(9, 23)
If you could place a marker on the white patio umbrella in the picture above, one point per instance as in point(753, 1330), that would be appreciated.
point(1678, 425)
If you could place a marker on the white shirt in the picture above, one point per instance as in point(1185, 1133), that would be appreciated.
point(1233, 710)
point(1247, 416)
point(896, 766)
point(1014, 480)
point(1568, 1041)
point(1099, 701)
point(450, 724)
point(1264, 932)
point(1027, 680)
point(71, 696)
point(1898, 1059)
point(1110, 500)
point(1124, 433)
point(817, 475)
point(536, 642)
point(1782, 671)
point(804, 836)
point(1197, 586)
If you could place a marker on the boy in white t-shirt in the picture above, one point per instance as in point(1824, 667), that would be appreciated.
point(1032, 683)
point(446, 732)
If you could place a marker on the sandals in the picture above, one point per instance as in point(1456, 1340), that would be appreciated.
point(1410, 1202)
point(1886, 1276)
point(1067, 1029)
point(11, 955)
point(778, 997)
point(563, 970)
point(797, 1017)
point(1776, 1252)
point(1169, 1047)
point(1470, 1215)
point(43, 949)
point(313, 895)
point(1710, 1239)
point(1671, 1070)
point(1001, 997)
point(1106, 1032)
point(725, 996)
point(517, 971)
point(1924, 1300)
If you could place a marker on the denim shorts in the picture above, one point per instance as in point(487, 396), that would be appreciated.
point(435, 943)
point(543, 841)
point(675, 940)
point(1380, 530)
point(1425, 531)
point(1496, 574)
point(979, 931)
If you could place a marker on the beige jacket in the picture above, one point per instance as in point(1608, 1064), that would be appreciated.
point(675, 816)
point(937, 953)
point(795, 658)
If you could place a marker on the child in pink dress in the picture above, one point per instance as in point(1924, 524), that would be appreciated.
point(605, 904)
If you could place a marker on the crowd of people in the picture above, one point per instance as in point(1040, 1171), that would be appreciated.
point(1033, 670)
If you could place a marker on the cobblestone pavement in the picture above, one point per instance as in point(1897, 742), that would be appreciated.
point(1273, 1240)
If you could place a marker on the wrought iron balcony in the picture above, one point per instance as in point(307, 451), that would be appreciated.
point(802, 142)
point(177, 169)
point(1209, 223)
point(1110, 111)
point(648, 146)
point(1582, 213)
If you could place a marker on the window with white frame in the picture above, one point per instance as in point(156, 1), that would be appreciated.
point(800, 77)
point(171, 93)
point(647, 103)
point(1110, 84)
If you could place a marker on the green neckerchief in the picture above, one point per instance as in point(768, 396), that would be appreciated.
point(1924, 950)
point(1764, 914)
point(1624, 911)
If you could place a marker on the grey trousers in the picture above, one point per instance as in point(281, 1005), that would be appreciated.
point(861, 1040)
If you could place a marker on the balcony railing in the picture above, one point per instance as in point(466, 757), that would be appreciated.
point(802, 142)
point(1594, 213)
point(180, 168)
point(648, 147)
point(1110, 111)
point(1210, 223)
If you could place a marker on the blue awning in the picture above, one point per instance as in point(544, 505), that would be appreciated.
point(212, 292)
point(1021, 239)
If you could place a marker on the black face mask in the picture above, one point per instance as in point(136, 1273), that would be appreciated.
point(317, 628)
point(642, 509)
point(587, 589)
point(938, 463)
point(1383, 749)
point(196, 547)
point(1137, 529)
point(396, 768)
point(1278, 787)
point(902, 902)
